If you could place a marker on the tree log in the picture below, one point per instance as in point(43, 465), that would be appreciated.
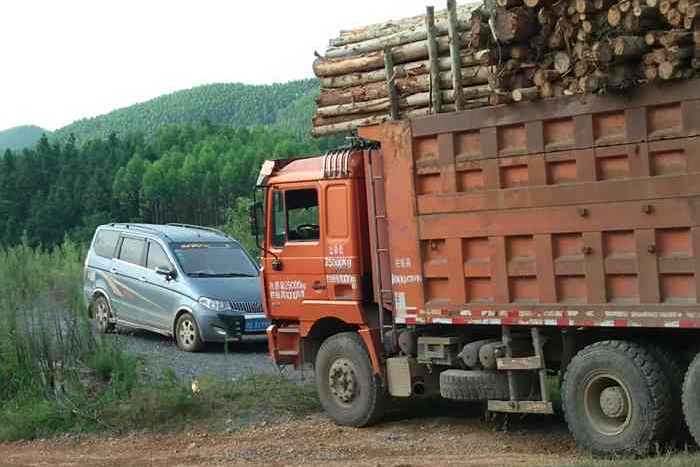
point(514, 25)
point(419, 33)
point(374, 31)
point(325, 67)
point(674, 17)
point(562, 62)
point(526, 94)
point(654, 37)
point(629, 46)
point(433, 58)
point(406, 85)
point(614, 16)
point(602, 52)
point(455, 45)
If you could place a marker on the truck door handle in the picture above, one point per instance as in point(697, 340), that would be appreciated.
point(317, 285)
point(113, 270)
point(142, 278)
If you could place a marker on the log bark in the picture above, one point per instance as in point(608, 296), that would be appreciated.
point(407, 85)
point(419, 33)
point(408, 69)
point(543, 76)
point(386, 28)
point(514, 25)
point(526, 94)
point(455, 44)
point(602, 52)
point(433, 58)
point(325, 67)
point(390, 84)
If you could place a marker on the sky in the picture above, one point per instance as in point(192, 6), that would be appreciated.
point(63, 60)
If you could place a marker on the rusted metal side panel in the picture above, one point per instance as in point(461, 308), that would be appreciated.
point(559, 212)
point(397, 170)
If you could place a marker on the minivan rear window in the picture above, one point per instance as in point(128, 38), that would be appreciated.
point(105, 242)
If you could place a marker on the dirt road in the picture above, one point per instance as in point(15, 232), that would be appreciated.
point(315, 441)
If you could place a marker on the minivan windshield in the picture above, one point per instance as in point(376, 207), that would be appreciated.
point(216, 259)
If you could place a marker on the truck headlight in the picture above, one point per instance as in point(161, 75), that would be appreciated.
point(215, 305)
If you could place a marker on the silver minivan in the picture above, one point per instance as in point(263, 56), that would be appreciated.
point(193, 283)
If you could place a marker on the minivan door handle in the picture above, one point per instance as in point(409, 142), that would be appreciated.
point(143, 279)
point(113, 270)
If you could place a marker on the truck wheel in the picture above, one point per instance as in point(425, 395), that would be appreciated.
point(674, 372)
point(474, 385)
point(347, 387)
point(103, 315)
point(616, 399)
point(691, 398)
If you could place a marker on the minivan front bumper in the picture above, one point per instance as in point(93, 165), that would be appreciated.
point(222, 327)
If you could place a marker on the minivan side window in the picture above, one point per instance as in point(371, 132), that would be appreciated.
point(132, 250)
point(157, 258)
point(105, 243)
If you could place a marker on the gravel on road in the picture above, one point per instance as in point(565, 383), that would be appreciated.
point(159, 353)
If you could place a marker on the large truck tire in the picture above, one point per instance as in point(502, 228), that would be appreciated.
point(461, 385)
point(616, 399)
point(674, 370)
point(691, 398)
point(349, 391)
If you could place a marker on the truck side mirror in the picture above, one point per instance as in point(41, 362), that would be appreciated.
point(253, 219)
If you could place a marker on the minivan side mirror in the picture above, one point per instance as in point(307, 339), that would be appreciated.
point(168, 273)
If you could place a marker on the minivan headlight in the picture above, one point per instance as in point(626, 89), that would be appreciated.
point(214, 305)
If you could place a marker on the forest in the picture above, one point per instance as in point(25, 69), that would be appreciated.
point(193, 173)
point(287, 106)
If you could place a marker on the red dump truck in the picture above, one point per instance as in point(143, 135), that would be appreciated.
point(478, 254)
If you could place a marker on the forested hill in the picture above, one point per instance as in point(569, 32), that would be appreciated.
point(20, 137)
point(288, 106)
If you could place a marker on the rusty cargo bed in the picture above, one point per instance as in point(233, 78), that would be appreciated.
point(563, 212)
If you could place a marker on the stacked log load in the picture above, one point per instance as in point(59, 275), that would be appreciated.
point(500, 52)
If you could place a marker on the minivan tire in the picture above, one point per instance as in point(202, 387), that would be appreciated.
point(187, 334)
point(102, 313)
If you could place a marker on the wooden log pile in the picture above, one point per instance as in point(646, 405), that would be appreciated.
point(501, 52)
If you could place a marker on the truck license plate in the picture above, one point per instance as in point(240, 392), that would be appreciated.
point(256, 324)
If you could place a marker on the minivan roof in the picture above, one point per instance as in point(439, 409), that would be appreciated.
point(174, 232)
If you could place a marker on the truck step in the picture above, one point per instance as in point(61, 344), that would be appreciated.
point(288, 353)
point(539, 407)
point(521, 363)
point(290, 330)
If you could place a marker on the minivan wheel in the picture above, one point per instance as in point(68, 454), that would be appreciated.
point(103, 315)
point(187, 334)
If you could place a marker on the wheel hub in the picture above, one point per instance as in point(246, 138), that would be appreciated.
point(613, 402)
point(102, 315)
point(342, 380)
point(187, 333)
point(607, 404)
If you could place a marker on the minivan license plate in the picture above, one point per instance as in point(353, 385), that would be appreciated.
point(256, 324)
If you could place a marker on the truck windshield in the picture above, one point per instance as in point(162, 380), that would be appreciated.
point(214, 260)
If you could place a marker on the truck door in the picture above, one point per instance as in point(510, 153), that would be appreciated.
point(296, 238)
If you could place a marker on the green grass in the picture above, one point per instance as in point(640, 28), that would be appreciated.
point(56, 377)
